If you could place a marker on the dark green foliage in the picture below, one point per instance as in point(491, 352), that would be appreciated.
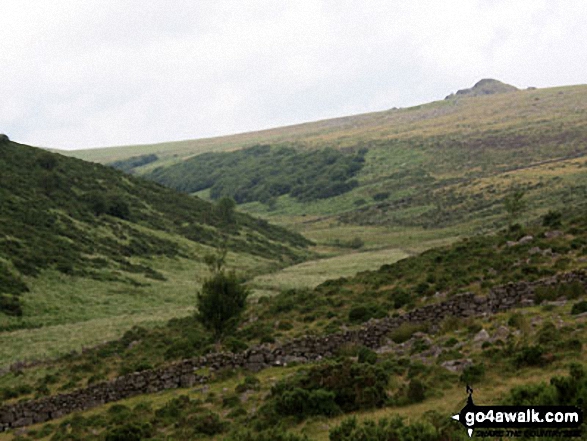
point(261, 173)
point(221, 301)
point(514, 205)
point(225, 209)
point(265, 435)
point(128, 165)
point(208, 423)
point(569, 291)
point(363, 313)
point(568, 390)
point(130, 432)
point(366, 355)
point(473, 374)
point(416, 391)
point(529, 356)
point(381, 196)
point(250, 383)
point(10, 305)
point(552, 219)
point(302, 403)
point(329, 388)
point(56, 212)
point(354, 243)
point(393, 429)
point(579, 307)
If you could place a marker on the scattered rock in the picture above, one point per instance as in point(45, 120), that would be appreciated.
point(525, 239)
point(482, 336)
point(501, 333)
point(457, 366)
point(561, 302)
point(553, 234)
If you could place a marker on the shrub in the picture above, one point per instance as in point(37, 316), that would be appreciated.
point(579, 308)
point(346, 385)
point(235, 345)
point(360, 314)
point(265, 435)
point(381, 196)
point(529, 356)
point(416, 391)
point(366, 355)
point(303, 403)
point(208, 423)
point(130, 432)
point(552, 219)
point(250, 383)
point(405, 331)
point(385, 429)
point(221, 301)
point(473, 374)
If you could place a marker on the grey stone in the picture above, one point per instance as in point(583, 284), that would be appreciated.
point(525, 239)
point(481, 336)
point(457, 366)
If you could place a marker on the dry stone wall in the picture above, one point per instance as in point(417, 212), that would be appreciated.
point(303, 350)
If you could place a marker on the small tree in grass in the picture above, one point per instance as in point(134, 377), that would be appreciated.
point(222, 299)
point(514, 205)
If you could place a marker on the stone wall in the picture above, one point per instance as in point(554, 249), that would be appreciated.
point(306, 349)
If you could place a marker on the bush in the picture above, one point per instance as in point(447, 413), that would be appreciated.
point(208, 423)
point(250, 383)
point(303, 403)
point(381, 196)
point(579, 308)
point(265, 435)
point(552, 219)
point(360, 314)
point(416, 391)
point(130, 432)
point(405, 331)
point(221, 301)
point(384, 430)
point(330, 388)
point(529, 356)
point(473, 374)
point(366, 355)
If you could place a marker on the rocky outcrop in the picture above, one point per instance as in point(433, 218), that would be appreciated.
point(306, 349)
point(486, 86)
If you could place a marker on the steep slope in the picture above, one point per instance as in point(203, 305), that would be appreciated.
point(74, 229)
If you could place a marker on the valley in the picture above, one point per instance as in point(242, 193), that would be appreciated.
point(352, 236)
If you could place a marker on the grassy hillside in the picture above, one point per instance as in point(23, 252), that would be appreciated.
point(82, 242)
point(514, 363)
point(449, 163)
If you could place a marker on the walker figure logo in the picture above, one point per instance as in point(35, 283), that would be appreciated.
point(517, 417)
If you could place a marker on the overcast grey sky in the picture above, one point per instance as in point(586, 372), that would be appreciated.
point(78, 74)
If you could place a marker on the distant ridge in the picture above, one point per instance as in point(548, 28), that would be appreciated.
point(486, 86)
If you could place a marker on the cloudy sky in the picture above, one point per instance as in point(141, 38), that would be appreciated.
point(79, 74)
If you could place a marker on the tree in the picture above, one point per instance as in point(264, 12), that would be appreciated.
point(222, 298)
point(225, 209)
point(514, 205)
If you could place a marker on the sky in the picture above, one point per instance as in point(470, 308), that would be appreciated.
point(80, 74)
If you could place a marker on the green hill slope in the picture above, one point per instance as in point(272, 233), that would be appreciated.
point(508, 356)
point(82, 242)
point(449, 163)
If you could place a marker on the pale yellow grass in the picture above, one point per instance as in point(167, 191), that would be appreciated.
point(52, 341)
point(311, 274)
